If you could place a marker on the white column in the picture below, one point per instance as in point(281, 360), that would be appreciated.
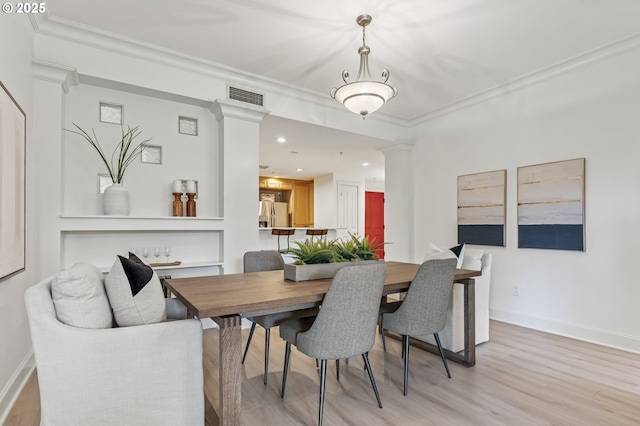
point(239, 133)
point(398, 206)
point(51, 83)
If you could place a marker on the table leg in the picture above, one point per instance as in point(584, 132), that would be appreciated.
point(230, 378)
point(470, 322)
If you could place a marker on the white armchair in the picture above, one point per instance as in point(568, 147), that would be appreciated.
point(143, 375)
point(452, 336)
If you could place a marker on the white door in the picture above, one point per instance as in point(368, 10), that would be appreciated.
point(348, 207)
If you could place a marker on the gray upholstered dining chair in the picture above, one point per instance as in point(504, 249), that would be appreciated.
point(268, 260)
point(423, 310)
point(345, 325)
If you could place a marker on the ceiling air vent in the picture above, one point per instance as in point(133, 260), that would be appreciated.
point(246, 96)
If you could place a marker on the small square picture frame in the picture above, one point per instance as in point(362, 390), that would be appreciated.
point(111, 113)
point(151, 154)
point(104, 180)
point(188, 126)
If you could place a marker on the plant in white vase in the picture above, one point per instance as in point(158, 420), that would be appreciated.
point(116, 197)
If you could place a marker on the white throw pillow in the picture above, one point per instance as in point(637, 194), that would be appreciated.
point(79, 297)
point(135, 293)
point(472, 259)
point(435, 252)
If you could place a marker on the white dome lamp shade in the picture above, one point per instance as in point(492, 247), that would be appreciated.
point(364, 95)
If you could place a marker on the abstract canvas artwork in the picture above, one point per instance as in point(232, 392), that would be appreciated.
point(12, 184)
point(481, 208)
point(551, 205)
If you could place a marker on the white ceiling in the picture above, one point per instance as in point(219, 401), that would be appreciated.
point(438, 51)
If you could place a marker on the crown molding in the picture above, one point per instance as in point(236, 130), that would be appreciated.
point(402, 145)
point(114, 43)
point(234, 109)
point(74, 32)
point(595, 55)
point(66, 76)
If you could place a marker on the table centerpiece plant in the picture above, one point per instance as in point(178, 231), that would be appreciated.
point(322, 259)
point(116, 197)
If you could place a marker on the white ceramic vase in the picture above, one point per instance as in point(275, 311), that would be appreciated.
point(115, 200)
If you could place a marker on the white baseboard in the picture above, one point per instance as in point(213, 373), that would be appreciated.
point(598, 336)
point(12, 390)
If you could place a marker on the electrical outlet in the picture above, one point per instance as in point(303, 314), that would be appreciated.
point(515, 290)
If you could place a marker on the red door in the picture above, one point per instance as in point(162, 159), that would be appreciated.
point(374, 219)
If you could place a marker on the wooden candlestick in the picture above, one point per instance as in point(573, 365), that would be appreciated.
point(191, 204)
point(177, 204)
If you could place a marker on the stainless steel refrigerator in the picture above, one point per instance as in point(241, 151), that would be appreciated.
point(273, 214)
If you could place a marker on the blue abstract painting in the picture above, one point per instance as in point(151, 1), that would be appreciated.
point(551, 205)
point(481, 208)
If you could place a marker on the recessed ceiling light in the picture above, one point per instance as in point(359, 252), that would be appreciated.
point(298, 170)
point(365, 164)
point(281, 140)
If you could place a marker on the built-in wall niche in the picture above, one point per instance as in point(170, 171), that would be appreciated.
point(194, 249)
point(149, 179)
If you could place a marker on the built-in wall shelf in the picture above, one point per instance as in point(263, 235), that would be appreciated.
point(196, 241)
point(138, 223)
point(184, 265)
point(189, 265)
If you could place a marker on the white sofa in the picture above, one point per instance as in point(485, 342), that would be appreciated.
point(139, 375)
point(452, 336)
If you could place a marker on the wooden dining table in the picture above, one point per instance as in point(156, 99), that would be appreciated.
point(228, 298)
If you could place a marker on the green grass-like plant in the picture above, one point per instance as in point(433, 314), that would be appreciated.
point(353, 249)
point(347, 249)
point(365, 248)
point(310, 252)
point(123, 154)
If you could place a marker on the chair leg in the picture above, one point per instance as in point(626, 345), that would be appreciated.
point(287, 354)
point(267, 337)
point(384, 342)
point(444, 360)
point(365, 357)
point(246, 349)
point(405, 351)
point(323, 379)
point(338, 369)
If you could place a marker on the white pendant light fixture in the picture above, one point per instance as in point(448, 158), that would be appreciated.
point(364, 95)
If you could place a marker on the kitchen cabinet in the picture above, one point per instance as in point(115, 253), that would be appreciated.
point(275, 183)
point(300, 196)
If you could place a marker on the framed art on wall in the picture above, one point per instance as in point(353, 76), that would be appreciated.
point(481, 208)
point(13, 126)
point(551, 205)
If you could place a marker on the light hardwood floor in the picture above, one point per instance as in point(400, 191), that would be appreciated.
point(522, 377)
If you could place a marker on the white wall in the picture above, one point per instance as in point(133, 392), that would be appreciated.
point(150, 185)
point(587, 111)
point(16, 39)
point(325, 207)
point(326, 200)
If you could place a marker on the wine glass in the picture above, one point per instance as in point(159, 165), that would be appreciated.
point(145, 253)
point(167, 252)
point(156, 253)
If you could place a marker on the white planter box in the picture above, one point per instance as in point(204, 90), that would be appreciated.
point(320, 271)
